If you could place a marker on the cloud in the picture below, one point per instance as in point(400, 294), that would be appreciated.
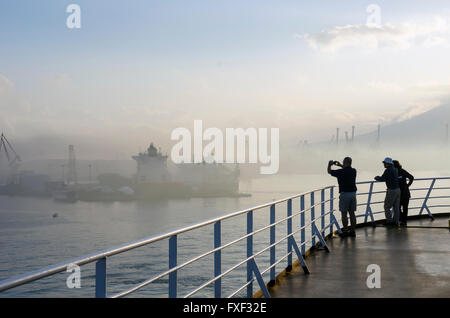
point(416, 109)
point(398, 36)
point(5, 85)
point(58, 81)
point(9, 100)
point(349, 118)
point(434, 88)
point(428, 96)
point(385, 86)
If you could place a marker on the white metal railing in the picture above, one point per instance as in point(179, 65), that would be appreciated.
point(316, 226)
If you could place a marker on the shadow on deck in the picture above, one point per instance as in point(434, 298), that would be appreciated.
point(414, 262)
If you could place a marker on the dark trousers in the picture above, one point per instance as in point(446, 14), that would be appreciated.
point(345, 226)
point(404, 202)
point(347, 204)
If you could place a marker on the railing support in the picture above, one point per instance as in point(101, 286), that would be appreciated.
point(249, 253)
point(368, 207)
point(335, 222)
point(100, 278)
point(172, 264)
point(217, 261)
point(315, 232)
point(313, 222)
point(289, 231)
point(272, 249)
point(299, 255)
point(322, 211)
point(302, 224)
point(331, 209)
point(254, 269)
point(424, 204)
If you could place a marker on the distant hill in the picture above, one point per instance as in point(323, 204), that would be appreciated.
point(426, 128)
point(418, 142)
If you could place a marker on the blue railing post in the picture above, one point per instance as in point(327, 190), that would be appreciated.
point(302, 223)
point(100, 278)
point(289, 231)
point(369, 200)
point(331, 208)
point(249, 253)
point(322, 210)
point(424, 204)
point(272, 241)
point(313, 222)
point(172, 264)
point(217, 261)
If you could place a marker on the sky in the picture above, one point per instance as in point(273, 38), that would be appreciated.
point(136, 70)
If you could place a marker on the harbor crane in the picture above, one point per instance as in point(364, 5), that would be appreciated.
point(11, 156)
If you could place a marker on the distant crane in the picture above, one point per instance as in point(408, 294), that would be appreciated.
point(63, 167)
point(348, 139)
point(12, 157)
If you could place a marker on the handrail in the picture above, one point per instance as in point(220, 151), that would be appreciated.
point(54, 269)
point(101, 256)
point(143, 284)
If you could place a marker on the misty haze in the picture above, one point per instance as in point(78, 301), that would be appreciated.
point(92, 95)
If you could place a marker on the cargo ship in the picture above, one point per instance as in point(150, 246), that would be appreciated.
point(154, 178)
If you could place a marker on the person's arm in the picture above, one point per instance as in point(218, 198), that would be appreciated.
point(330, 171)
point(383, 177)
point(330, 163)
point(410, 178)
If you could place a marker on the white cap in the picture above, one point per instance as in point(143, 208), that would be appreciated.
point(388, 160)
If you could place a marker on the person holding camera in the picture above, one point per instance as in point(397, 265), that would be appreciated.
point(346, 177)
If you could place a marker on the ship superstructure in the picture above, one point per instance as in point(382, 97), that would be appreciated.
point(151, 166)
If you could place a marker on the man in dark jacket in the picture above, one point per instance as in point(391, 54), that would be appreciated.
point(347, 193)
point(392, 199)
point(405, 195)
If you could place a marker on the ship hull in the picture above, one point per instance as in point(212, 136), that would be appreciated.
point(68, 196)
point(150, 190)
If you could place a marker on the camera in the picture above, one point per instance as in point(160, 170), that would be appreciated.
point(334, 162)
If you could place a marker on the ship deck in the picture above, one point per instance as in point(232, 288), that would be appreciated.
point(414, 262)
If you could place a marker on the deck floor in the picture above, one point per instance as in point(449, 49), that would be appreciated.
point(414, 262)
